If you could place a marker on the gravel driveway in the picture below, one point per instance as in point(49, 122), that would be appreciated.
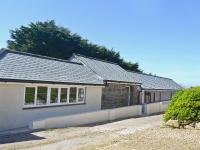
point(77, 137)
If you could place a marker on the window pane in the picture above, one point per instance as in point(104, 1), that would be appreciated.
point(147, 97)
point(81, 95)
point(63, 97)
point(54, 95)
point(41, 95)
point(29, 95)
point(72, 95)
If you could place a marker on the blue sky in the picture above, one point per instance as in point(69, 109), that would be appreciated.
point(163, 36)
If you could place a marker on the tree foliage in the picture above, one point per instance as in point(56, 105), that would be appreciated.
point(185, 106)
point(46, 38)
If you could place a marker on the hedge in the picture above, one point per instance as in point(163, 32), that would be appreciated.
point(185, 106)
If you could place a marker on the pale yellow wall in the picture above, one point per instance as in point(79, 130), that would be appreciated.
point(12, 114)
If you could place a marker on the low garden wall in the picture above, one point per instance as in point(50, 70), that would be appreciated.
point(87, 118)
point(154, 108)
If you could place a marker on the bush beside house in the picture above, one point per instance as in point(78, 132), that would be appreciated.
point(184, 110)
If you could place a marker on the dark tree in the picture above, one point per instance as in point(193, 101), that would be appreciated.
point(46, 38)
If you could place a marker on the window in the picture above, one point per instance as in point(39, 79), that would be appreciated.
point(54, 95)
point(147, 97)
point(29, 95)
point(41, 95)
point(72, 95)
point(81, 95)
point(64, 94)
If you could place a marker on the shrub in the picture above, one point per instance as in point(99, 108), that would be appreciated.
point(185, 106)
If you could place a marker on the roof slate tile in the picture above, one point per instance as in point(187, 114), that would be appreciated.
point(113, 72)
point(24, 66)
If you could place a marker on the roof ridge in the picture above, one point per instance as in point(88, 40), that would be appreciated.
point(88, 67)
point(98, 59)
point(148, 74)
point(37, 55)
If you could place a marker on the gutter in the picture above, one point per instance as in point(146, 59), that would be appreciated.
point(158, 89)
point(47, 82)
point(122, 82)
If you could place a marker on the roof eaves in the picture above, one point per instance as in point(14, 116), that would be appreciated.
point(150, 89)
point(48, 82)
point(123, 82)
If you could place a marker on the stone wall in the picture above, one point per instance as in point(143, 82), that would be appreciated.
point(134, 96)
point(115, 95)
point(166, 95)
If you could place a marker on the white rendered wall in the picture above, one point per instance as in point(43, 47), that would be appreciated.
point(87, 118)
point(12, 114)
point(158, 107)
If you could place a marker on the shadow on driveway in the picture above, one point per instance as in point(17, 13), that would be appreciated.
point(20, 137)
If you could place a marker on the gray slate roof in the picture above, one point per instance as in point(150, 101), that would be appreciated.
point(107, 70)
point(19, 66)
point(113, 72)
point(154, 82)
point(25, 67)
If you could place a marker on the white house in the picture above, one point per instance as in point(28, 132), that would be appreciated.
point(35, 87)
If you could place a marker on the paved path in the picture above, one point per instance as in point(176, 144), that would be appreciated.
point(129, 126)
point(71, 138)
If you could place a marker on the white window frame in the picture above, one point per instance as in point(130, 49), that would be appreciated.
point(49, 94)
point(47, 101)
point(59, 95)
point(84, 90)
point(24, 103)
point(76, 95)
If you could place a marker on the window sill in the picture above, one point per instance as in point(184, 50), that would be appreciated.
point(51, 105)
